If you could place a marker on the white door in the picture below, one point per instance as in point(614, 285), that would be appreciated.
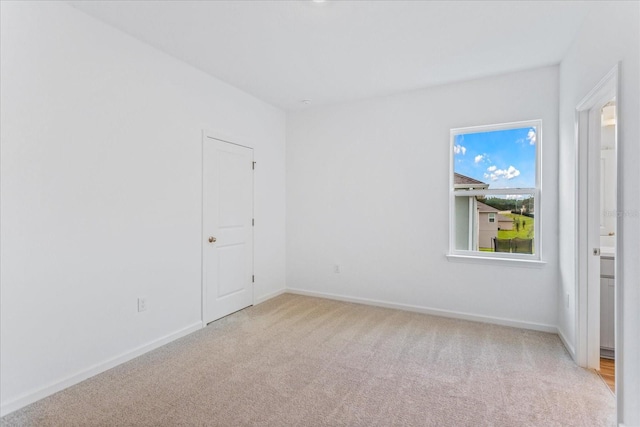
point(593, 236)
point(227, 222)
point(588, 214)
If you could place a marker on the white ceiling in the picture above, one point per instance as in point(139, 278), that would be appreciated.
point(285, 51)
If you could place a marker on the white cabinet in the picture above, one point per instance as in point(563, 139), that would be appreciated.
point(607, 305)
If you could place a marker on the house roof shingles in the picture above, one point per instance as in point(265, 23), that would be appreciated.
point(486, 208)
point(463, 179)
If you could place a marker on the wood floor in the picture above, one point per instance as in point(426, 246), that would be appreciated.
point(608, 372)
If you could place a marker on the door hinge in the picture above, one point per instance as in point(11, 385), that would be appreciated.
point(253, 279)
point(253, 165)
point(253, 222)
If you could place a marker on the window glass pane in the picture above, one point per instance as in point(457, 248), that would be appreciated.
point(462, 220)
point(512, 229)
point(504, 158)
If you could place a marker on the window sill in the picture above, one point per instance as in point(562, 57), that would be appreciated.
point(509, 262)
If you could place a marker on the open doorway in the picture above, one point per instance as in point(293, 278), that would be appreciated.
point(608, 175)
point(597, 121)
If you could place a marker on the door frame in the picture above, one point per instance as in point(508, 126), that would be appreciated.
point(207, 135)
point(587, 273)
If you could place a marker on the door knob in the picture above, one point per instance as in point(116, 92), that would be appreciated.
point(212, 239)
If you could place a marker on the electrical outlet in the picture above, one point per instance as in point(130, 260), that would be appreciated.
point(142, 304)
point(336, 268)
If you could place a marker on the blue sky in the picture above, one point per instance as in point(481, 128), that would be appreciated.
point(501, 158)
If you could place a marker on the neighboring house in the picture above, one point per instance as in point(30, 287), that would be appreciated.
point(477, 223)
point(505, 223)
point(467, 183)
point(487, 225)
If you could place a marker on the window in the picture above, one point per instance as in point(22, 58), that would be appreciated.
point(495, 191)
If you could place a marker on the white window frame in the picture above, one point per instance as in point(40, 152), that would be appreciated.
point(492, 217)
point(454, 254)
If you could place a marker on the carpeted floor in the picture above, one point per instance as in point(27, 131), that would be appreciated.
point(301, 361)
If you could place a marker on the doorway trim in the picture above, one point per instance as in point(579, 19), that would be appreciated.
point(587, 289)
point(208, 134)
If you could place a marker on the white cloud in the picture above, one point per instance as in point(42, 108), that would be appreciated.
point(531, 136)
point(512, 172)
point(508, 173)
point(479, 158)
point(492, 168)
point(459, 149)
point(513, 197)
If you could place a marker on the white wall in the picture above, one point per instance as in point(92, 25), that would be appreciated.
point(101, 195)
point(610, 34)
point(367, 189)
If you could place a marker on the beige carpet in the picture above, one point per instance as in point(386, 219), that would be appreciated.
point(300, 361)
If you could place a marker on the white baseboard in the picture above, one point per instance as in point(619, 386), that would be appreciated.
point(267, 297)
point(433, 311)
point(567, 345)
point(33, 396)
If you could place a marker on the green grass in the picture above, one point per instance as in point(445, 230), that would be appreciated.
point(525, 232)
